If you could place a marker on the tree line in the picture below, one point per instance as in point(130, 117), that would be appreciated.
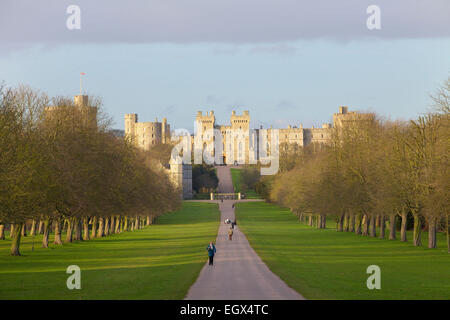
point(375, 173)
point(63, 172)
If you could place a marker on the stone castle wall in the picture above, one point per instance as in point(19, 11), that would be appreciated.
point(146, 134)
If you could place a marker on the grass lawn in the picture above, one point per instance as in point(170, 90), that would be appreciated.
point(237, 181)
point(325, 264)
point(158, 262)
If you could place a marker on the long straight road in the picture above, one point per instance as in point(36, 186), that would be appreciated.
point(238, 272)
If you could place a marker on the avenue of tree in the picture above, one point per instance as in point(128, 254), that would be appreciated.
point(374, 174)
point(62, 173)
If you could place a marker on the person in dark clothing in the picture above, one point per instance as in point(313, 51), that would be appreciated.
point(211, 251)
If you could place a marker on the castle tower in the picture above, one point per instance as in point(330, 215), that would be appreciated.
point(87, 113)
point(165, 131)
point(240, 126)
point(130, 124)
point(204, 132)
point(81, 100)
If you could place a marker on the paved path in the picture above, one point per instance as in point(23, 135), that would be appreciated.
point(238, 272)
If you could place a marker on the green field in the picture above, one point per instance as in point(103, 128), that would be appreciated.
point(237, 181)
point(158, 262)
point(325, 264)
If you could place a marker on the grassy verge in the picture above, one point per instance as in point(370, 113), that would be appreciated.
point(158, 262)
point(325, 264)
point(237, 184)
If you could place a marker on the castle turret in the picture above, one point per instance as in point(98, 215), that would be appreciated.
point(81, 100)
point(130, 124)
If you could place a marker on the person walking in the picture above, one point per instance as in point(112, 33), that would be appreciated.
point(230, 233)
point(211, 252)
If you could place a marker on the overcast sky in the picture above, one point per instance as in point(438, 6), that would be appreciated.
point(286, 61)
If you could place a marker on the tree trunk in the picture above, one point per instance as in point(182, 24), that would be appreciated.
point(348, 222)
point(432, 226)
point(58, 239)
point(358, 224)
point(117, 225)
point(11, 230)
point(77, 229)
point(373, 226)
point(24, 229)
point(46, 230)
point(33, 228)
point(106, 226)
point(403, 228)
point(147, 221)
point(382, 227)
point(101, 228)
point(365, 225)
point(69, 234)
point(341, 223)
point(392, 223)
point(417, 234)
point(125, 224)
point(352, 223)
point(324, 222)
point(16, 235)
point(85, 228)
point(41, 227)
point(310, 220)
point(112, 226)
point(93, 227)
point(2, 232)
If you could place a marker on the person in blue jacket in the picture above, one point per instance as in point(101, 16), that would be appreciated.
point(211, 251)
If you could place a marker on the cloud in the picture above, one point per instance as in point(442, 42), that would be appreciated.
point(30, 22)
